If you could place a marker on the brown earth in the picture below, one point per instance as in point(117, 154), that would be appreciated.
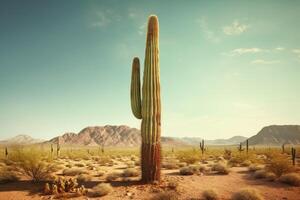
point(190, 187)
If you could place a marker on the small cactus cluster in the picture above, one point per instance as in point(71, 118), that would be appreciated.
point(293, 155)
point(202, 147)
point(63, 185)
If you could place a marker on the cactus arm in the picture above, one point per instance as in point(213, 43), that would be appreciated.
point(135, 90)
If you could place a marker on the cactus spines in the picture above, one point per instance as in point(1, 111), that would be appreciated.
point(202, 148)
point(148, 108)
point(294, 155)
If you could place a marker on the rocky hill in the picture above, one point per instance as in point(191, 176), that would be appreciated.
point(114, 136)
point(229, 141)
point(20, 140)
point(277, 135)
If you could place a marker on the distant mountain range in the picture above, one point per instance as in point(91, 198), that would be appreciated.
point(277, 135)
point(21, 140)
point(124, 136)
point(231, 141)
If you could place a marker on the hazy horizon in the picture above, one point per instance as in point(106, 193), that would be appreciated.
point(227, 68)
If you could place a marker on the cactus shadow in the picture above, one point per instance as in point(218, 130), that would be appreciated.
point(23, 185)
point(91, 184)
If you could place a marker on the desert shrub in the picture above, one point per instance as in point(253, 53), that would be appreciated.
point(279, 166)
point(166, 196)
point(220, 168)
point(247, 194)
point(186, 171)
point(100, 173)
point(188, 157)
point(131, 172)
point(113, 176)
point(69, 165)
point(101, 189)
point(291, 179)
point(130, 164)
point(173, 184)
point(170, 165)
point(255, 167)
point(7, 176)
point(137, 163)
point(182, 164)
point(270, 176)
point(31, 163)
point(79, 164)
point(260, 174)
point(195, 168)
point(73, 172)
point(189, 170)
point(246, 163)
point(210, 195)
point(84, 178)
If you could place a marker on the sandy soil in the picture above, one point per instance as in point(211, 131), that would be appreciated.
point(190, 187)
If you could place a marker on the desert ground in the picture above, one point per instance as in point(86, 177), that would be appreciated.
point(220, 173)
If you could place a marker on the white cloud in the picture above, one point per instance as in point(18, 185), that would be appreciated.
point(279, 48)
point(208, 33)
point(265, 62)
point(296, 51)
point(142, 29)
point(241, 51)
point(236, 28)
point(104, 18)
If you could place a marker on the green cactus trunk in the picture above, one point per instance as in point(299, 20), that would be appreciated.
point(149, 107)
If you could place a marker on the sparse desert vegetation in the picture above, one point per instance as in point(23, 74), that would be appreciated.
point(114, 162)
point(76, 173)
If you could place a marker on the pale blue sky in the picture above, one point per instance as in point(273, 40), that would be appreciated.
point(227, 67)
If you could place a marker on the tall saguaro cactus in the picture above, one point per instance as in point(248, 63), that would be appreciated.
point(148, 108)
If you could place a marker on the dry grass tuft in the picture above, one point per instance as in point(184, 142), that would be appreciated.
point(113, 176)
point(186, 171)
point(291, 179)
point(247, 194)
point(260, 174)
point(279, 166)
point(131, 172)
point(101, 189)
point(210, 195)
point(84, 178)
point(255, 167)
point(220, 168)
point(73, 172)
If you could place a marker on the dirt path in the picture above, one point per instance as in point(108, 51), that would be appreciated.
point(190, 187)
